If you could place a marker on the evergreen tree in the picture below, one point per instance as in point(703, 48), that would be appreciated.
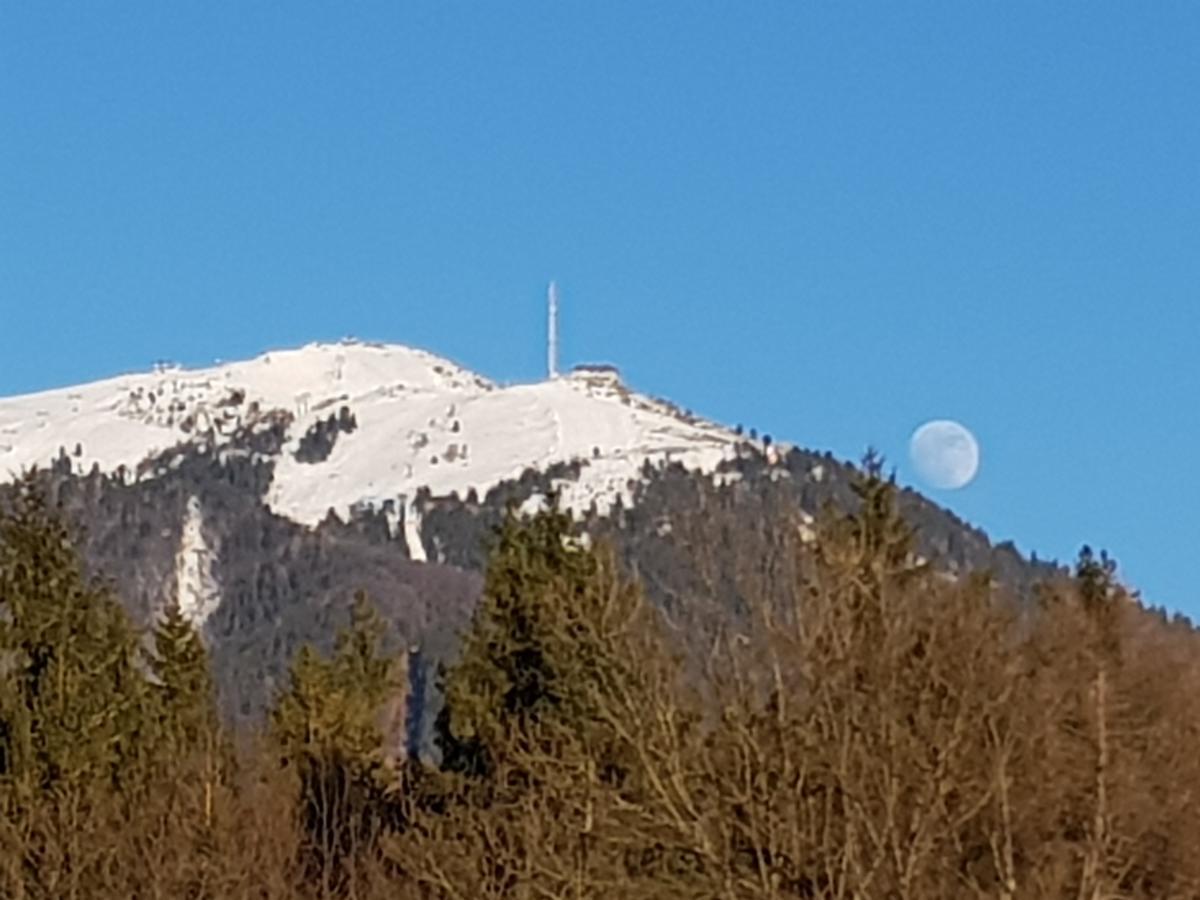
point(186, 693)
point(540, 648)
point(561, 732)
point(330, 728)
point(75, 704)
point(334, 706)
point(1099, 595)
point(76, 724)
point(875, 539)
point(191, 752)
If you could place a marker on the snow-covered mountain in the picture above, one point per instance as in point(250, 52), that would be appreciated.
point(365, 423)
point(211, 488)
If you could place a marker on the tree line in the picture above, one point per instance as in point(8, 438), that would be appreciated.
point(878, 731)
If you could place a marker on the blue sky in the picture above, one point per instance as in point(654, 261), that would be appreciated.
point(830, 221)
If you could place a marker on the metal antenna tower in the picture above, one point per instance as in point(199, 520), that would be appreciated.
point(552, 331)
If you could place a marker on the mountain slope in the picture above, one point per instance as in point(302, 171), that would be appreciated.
point(213, 487)
point(364, 424)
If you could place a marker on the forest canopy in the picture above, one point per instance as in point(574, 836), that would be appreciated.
point(862, 725)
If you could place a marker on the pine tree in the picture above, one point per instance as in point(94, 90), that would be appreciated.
point(874, 540)
point(1099, 596)
point(560, 732)
point(328, 726)
point(541, 647)
point(189, 740)
point(76, 720)
point(333, 706)
point(186, 693)
point(75, 700)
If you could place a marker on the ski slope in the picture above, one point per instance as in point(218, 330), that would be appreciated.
point(422, 421)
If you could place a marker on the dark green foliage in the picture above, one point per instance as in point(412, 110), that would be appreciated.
point(876, 540)
point(318, 442)
point(340, 727)
point(1099, 593)
point(186, 697)
point(870, 727)
point(92, 732)
point(281, 584)
point(506, 670)
point(546, 643)
point(332, 706)
point(73, 702)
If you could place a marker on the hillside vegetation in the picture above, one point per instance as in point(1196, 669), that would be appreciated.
point(859, 724)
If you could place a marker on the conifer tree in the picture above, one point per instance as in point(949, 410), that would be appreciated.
point(333, 706)
point(186, 692)
point(75, 713)
point(190, 746)
point(77, 703)
point(874, 540)
point(517, 655)
point(1099, 595)
point(561, 731)
point(328, 726)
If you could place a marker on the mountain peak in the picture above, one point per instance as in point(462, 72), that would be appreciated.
point(366, 423)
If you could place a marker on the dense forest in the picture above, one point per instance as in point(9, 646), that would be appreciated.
point(692, 540)
point(861, 723)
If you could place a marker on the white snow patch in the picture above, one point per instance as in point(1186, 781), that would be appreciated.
point(412, 533)
point(422, 422)
point(197, 591)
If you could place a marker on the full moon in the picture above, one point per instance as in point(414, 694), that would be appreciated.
point(945, 454)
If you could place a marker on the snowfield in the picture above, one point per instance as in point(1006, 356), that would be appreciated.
point(421, 421)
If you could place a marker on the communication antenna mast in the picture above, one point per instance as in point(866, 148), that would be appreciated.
point(552, 331)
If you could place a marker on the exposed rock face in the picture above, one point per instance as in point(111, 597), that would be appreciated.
point(196, 588)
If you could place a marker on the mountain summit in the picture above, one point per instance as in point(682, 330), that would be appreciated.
point(365, 423)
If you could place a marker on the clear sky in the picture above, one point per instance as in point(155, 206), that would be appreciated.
point(830, 221)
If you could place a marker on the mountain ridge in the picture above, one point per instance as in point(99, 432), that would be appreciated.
point(365, 423)
point(196, 501)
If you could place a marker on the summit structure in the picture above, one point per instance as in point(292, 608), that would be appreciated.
point(552, 331)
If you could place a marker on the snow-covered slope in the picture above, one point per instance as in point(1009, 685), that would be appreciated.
point(419, 421)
